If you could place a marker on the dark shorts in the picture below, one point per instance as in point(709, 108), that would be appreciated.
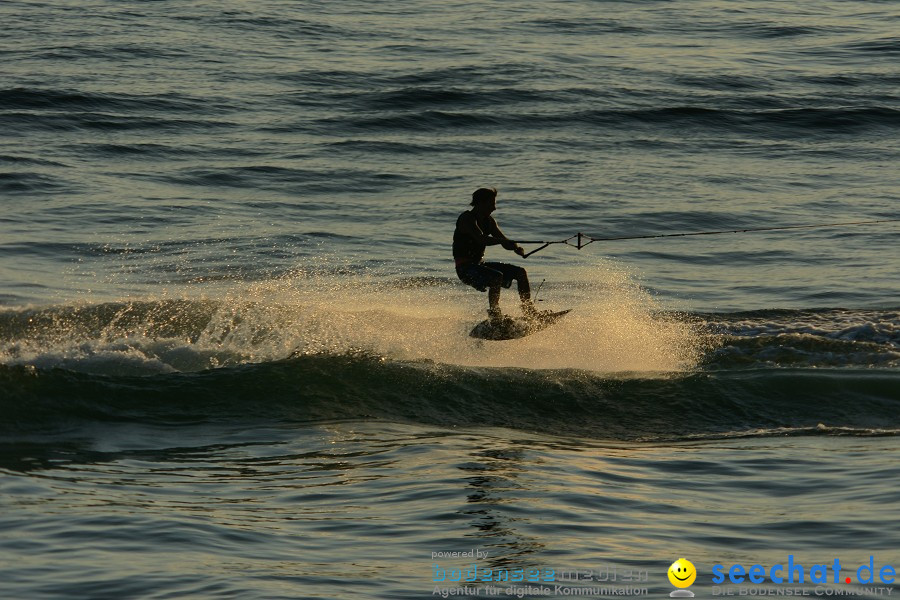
point(480, 276)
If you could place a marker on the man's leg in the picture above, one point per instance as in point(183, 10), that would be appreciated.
point(512, 273)
point(484, 277)
point(528, 308)
point(524, 287)
point(494, 297)
point(495, 281)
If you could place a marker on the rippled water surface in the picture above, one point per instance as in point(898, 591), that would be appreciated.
point(355, 510)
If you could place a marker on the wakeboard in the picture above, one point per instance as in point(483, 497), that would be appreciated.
point(509, 328)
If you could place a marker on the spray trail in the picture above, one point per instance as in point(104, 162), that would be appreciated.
point(614, 326)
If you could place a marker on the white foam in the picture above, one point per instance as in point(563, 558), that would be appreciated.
point(614, 326)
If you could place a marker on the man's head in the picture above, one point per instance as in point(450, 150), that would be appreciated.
point(485, 199)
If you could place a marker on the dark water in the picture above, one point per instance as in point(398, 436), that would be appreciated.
point(234, 359)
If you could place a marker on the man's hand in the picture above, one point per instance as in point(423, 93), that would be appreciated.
point(511, 245)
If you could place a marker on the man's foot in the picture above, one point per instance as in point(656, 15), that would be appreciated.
point(533, 314)
point(495, 315)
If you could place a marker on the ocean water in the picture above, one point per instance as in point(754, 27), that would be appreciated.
point(234, 355)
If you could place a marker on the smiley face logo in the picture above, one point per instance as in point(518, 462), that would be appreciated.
point(682, 573)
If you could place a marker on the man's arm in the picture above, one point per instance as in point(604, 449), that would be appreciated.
point(508, 244)
point(468, 226)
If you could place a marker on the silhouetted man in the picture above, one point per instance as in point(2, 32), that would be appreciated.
point(476, 229)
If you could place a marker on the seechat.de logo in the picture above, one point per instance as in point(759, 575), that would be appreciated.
point(682, 574)
point(794, 572)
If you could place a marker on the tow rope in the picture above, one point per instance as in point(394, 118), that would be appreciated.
point(582, 240)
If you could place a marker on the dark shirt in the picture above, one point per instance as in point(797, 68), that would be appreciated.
point(466, 248)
